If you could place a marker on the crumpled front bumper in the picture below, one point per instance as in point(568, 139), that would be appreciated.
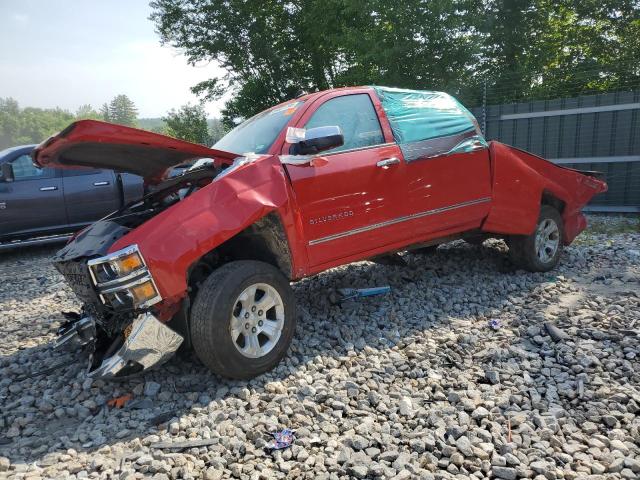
point(149, 343)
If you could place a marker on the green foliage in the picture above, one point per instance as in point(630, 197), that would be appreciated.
point(188, 123)
point(522, 48)
point(21, 126)
point(121, 110)
point(156, 125)
point(86, 112)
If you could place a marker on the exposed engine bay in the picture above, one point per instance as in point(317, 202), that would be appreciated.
point(116, 325)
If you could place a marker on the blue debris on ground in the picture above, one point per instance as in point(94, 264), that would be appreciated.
point(282, 439)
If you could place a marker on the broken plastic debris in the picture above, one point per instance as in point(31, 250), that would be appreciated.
point(121, 401)
point(495, 323)
point(349, 293)
point(282, 439)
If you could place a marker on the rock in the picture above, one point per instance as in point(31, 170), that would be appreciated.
point(405, 406)
point(408, 385)
point(389, 456)
point(506, 473)
point(401, 461)
point(212, 473)
point(151, 389)
point(359, 471)
point(619, 445)
point(464, 446)
point(344, 455)
point(480, 413)
point(492, 376)
point(358, 442)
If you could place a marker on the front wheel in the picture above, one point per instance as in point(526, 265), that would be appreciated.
point(243, 319)
point(540, 251)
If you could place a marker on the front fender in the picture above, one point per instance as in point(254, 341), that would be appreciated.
point(180, 235)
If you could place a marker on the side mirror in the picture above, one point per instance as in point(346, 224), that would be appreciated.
point(7, 172)
point(314, 140)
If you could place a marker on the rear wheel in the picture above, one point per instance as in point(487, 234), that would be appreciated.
point(243, 319)
point(540, 251)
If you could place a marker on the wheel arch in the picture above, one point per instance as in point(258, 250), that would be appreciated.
point(548, 198)
point(264, 240)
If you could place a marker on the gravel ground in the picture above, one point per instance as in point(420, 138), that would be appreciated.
point(414, 384)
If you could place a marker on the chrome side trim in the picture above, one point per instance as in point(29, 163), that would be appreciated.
point(406, 218)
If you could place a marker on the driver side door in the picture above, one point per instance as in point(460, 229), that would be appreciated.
point(353, 190)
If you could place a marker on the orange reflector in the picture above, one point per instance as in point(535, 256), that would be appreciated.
point(129, 263)
point(143, 292)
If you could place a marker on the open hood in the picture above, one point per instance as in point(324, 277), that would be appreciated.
point(95, 144)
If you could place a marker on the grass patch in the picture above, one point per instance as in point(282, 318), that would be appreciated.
point(612, 225)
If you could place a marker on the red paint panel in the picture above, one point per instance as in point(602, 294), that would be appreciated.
point(451, 183)
point(345, 192)
point(96, 144)
point(520, 179)
point(177, 237)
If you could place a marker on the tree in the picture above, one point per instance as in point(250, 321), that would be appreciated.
point(86, 112)
point(104, 112)
point(280, 48)
point(20, 126)
point(520, 47)
point(10, 122)
point(189, 123)
point(121, 110)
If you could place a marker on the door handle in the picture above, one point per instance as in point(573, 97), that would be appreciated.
point(47, 189)
point(100, 184)
point(387, 162)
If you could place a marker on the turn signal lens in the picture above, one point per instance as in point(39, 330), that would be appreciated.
point(143, 292)
point(127, 264)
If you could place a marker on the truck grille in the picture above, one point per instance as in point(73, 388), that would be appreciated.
point(77, 275)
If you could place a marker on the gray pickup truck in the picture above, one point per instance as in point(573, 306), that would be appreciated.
point(45, 205)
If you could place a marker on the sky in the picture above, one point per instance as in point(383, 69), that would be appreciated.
point(67, 53)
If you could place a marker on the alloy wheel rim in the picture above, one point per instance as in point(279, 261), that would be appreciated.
point(547, 240)
point(257, 320)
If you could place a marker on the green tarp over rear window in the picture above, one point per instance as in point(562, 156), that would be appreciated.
point(427, 124)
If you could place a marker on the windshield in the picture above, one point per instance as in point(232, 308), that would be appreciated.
point(259, 132)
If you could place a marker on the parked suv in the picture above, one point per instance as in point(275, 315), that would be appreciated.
point(43, 205)
point(323, 180)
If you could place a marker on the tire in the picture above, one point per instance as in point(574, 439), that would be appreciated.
point(217, 315)
point(524, 251)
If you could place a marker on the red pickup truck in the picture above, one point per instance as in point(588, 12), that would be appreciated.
point(205, 259)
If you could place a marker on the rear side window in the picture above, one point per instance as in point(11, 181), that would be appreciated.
point(355, 115)
point(24, 169)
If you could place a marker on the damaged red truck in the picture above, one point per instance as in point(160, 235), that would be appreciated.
point(205, 259)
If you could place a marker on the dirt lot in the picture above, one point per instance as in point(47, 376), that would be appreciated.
point(414, 384)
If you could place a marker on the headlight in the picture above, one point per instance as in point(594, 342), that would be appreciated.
point(123, 279)
point(143, 292)
point(127, 264)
